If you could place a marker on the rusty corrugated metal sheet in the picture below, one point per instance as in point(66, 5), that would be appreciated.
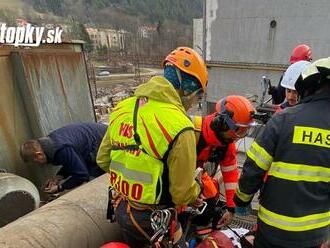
point(55, 89)
point(14, 127)
point(41, 89)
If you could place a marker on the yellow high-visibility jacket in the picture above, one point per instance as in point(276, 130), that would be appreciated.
point(159, 170)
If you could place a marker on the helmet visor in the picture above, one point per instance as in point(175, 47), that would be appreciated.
point(239, 130)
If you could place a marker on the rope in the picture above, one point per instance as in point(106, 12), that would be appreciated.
point(137, 226)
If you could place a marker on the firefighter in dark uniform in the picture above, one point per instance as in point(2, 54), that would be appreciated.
point(294, 150)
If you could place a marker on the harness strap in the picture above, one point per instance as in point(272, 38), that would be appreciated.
point(175, 227)
point(117, 201)
point(137, 226)
point(121, 198)
point(134, 205)
point(211, 239)
point(135, 116)
point(176, 235)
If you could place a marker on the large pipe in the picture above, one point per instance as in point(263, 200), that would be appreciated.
point(77, 219)
point(18, 196)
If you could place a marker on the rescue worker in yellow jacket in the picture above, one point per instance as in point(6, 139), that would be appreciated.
point(149, 149)
point(295, 151)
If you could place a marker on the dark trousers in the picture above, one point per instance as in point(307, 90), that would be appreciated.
point(261, 242)
point(130, 233)
point(95, 171)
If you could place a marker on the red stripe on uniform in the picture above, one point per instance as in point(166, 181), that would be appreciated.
point(117, 117)
point(116, 108)
point(164, 131)
point(151, 142)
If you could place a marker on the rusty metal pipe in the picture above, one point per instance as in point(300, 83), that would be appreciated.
point(77, 219)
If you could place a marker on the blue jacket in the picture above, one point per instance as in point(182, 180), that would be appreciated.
point(75, 147)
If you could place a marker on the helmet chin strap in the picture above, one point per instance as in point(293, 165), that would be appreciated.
point(208, 131)
point(178, 73)
point(187, 100)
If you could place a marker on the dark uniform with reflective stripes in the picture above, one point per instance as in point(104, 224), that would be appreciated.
point(295, 199)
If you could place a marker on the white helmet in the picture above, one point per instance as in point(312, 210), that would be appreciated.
point(292, 74)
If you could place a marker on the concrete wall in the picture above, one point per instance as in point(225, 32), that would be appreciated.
point(231, 81)
point(240, 33)
point(198, 35)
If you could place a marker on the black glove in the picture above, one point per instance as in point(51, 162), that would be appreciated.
point(272, 90)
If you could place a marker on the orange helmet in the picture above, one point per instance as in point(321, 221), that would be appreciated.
point(238, 114)
point(301, 52)
point(189, 61)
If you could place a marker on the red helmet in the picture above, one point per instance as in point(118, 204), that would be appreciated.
point(301, 52)
point(115, 245)
point(216, 239)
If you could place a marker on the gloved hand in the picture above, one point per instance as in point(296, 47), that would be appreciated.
point(243, 211)
point(53, 185)
point(209, 189)
point(272, 90)
point(52, 182)
point(226, 219)
point(198, 202)
point(208, 186)
point(53, 189)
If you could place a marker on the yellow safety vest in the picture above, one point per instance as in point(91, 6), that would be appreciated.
point(136, 156)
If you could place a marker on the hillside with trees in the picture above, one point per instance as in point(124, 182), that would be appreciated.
point(149, 11)
point(171, 20)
